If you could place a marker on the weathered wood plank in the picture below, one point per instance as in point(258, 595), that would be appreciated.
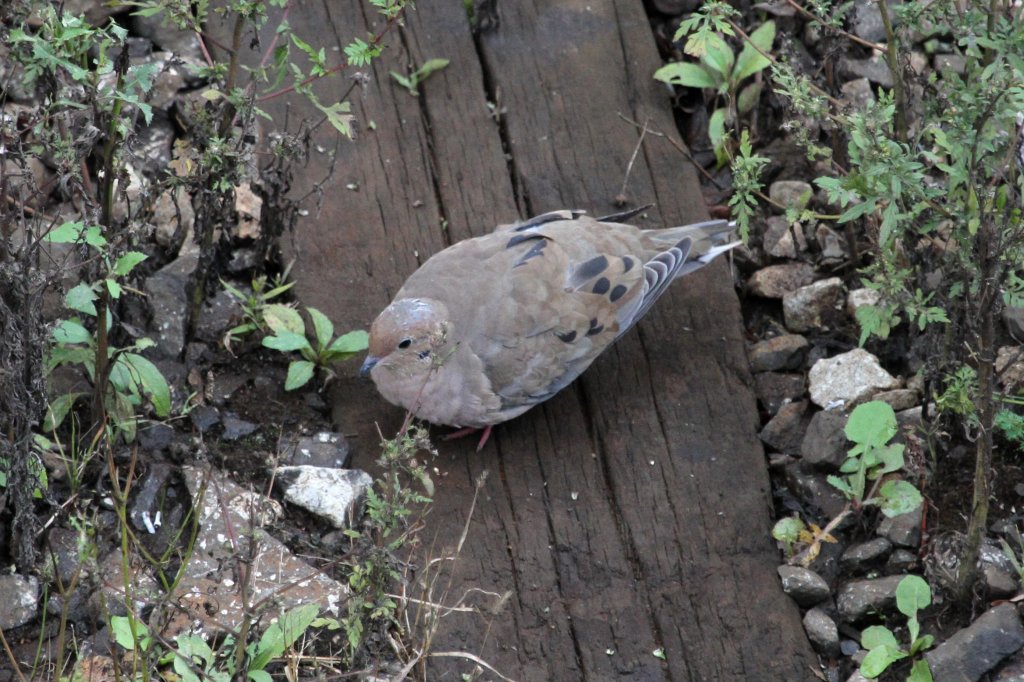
point(601, 549)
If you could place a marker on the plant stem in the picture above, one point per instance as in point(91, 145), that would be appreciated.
point(893, 60)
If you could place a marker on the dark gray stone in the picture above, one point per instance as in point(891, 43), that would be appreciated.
point(165, 292)
point(790, 193)
point(867, 21)
point(806, 587)
point(901, 561)
point(235, 428)
point(785, 430)
point(825, 446)
point(979, 647)
point(154, 436)
point(903, 530)
point(204, 417)
point(874, 69)
point(814, 490)
point(858, 599)
point(861, 556)
point(822, 632)
point(325, 449)
point(785, 352)
point(775, 389)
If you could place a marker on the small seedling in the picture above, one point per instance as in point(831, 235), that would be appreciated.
point(912, 595)
point(254, 305)
point(871, 426)
point(412, 83)
point(722, 71)
point(289, 335)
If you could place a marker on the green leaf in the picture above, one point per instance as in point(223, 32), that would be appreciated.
point(841, 485)
point(260, 676)
point(719, 57)
point(322, 326)
point(122, 629)
point(788, 529)
point(113, 288)
point(299, 374)
point(920, 672)
point(66, 233)
point(151, 380)
point(281, 634)
point(280, 317)
point(351, 343)
point(71, 331)
point(750, 60)
point(889, 457)
point(429, 67)
point(912, 595)
point(877, 660)
point(686, 74)
point(286, 341)
point(58, 410)
point(898, 497)
point(878, 635)
point(922, 643)
point(872, 423)
point(716, 133)
point(81, 298)
point(748, 98)
point(127, 261)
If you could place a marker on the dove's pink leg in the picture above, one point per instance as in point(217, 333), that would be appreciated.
point(472, 429)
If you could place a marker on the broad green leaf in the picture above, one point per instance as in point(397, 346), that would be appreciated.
point(716, 133)
point(922, 643)
point(81, 298)
point(898, 497)
point(719, 58)
point(286, 341)
point(151, 381)
point(686, 74)
point(280, 317)
point(281, 634)
point(322, 326)
point(348, 344)
point(66, 233)
point(748, 98)
point(877, 660)
point(71, 331)
point(113, 288)
point(260, 676)
point(127, 261)
point(430, 66)
point(58, 410)
point(890, 457)
point(750, 60)
point(912, 595)
point(873, 423)
point(788, 529)
point(299, 374)
point(920, 672)
point(122, 629)
point(878, 635)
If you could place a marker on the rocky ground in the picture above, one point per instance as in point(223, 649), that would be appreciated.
point(239, 431)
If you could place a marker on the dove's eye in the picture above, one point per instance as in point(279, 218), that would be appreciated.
point(405, 343)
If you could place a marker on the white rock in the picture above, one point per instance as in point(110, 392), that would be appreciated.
point(848, 379)
point(335, 494)
point(810, 307)
point(858, 298)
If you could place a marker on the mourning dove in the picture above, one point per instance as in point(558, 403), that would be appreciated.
point(491, 326)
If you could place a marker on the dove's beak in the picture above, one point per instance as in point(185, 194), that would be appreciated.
point(368, 364)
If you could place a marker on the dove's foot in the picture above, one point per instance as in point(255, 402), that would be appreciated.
point(472, 429)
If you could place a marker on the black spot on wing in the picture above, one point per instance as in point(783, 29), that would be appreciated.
point(618, 292)
point(589, 270)
point(535, 250)
point(568, 337)
point(595, 328)
point(601, 286)
point(627, 263)
point(519, 239)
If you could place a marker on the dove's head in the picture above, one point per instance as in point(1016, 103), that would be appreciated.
point(406, 336)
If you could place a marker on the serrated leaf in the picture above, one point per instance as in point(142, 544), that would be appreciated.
point(286, 341)
point(322, 326)
point(299, 374)
point(127, 261)
point(81, 298)
point(280, 317)
point(686, 74)
point(840, 485)
point(66, 233)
